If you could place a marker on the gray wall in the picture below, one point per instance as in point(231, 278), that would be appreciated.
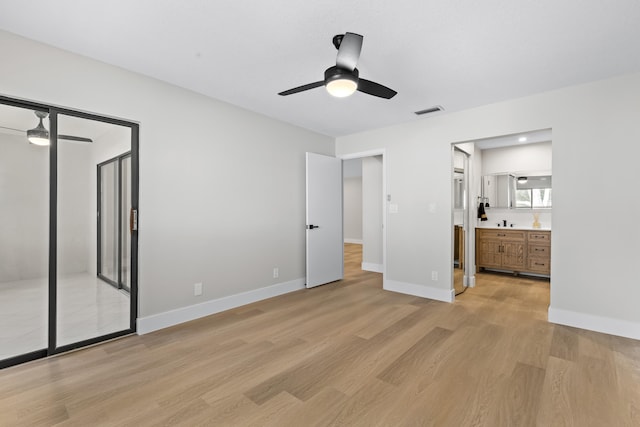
point(353, 209)
point(372, 208)
point(24, 209)
point(352, 175)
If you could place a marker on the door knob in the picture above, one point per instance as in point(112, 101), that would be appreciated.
point(311, 226)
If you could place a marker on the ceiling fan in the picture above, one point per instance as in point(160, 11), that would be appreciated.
point(343, 79)
point(40, 135)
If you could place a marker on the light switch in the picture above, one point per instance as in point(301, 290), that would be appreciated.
point(393, 208)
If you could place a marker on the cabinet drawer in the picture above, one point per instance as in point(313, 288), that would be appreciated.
point(501, 234)
point(539, 236)
point(539, 251)
point(539, 265)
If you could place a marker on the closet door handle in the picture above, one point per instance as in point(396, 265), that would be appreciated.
point(133, 220)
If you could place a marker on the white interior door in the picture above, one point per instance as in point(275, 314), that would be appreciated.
point(324, 220)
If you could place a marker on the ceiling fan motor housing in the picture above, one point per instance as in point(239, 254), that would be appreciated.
point(336, 73)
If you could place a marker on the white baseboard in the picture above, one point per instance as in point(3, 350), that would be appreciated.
point(607, 325)
point(192, 312)
point(355, 241)
point(446, 295)
point(471, 281)
point(369, 266)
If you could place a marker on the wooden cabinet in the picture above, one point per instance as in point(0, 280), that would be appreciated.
point(539, 252)
point(514, 250)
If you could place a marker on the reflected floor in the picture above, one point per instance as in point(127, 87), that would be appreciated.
point(87, 308)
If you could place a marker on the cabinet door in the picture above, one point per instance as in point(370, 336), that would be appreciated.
point(513, 255)
point(490, 255)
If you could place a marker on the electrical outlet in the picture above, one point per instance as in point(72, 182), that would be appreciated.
point(276, 272)
point(434, 275)
point(197, 289)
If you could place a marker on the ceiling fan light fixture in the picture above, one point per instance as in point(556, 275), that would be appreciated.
point(341, 88)
point(341, 83)
point(39, 135)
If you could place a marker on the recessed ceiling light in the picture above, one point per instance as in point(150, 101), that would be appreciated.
point(522, 139)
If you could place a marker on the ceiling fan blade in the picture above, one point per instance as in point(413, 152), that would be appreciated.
point(75, 138)
point(375, 89)
point(17, 130)
point(349, 51)
point(302, 88)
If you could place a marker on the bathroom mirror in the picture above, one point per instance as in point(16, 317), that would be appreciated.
point(498, 190)
point(533, 192)
point(517, 190)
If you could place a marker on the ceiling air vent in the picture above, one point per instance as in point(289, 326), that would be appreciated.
point(429, 110)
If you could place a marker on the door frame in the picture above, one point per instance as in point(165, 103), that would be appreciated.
point(54, 111)
point(468, 280)
point(385, 200)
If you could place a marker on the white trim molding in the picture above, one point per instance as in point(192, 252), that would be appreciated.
point(607, 325)
point(369, 266)
point(196, 311)
point(446, 295)
point(471, 281)
point(354, 241)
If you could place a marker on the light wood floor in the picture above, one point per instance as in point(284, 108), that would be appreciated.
point(346, 354)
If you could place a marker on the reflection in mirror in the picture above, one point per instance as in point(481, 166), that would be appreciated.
point(460, 215)
point(519, 190)
point(533, 192)
point(458, 188)
point(499, 190)
point(91, 297)
point(24, 234)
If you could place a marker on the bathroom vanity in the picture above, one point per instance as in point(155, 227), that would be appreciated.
point(511, 249)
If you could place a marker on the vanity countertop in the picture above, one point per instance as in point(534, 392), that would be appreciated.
point(515, 227)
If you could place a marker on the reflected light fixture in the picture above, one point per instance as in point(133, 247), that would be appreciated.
point(341, 83)
point(39, 135)
point(522, 180)
point(522, 139)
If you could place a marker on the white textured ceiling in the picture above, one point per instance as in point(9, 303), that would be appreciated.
point(458, 53)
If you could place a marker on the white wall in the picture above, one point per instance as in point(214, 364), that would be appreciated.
point(372, 202)
point(24, 209)
point(353, 209)
point(519, 158)
point(591, 287)
point(195, 226)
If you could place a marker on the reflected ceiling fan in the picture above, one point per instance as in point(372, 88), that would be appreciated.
point(40, 135)
point(343, 79)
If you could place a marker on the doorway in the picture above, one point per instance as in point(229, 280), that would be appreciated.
point(509, 198)
point(51, 297)
point(364, 211)
point(325, 216)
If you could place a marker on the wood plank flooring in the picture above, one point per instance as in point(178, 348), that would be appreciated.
point(345, 354)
